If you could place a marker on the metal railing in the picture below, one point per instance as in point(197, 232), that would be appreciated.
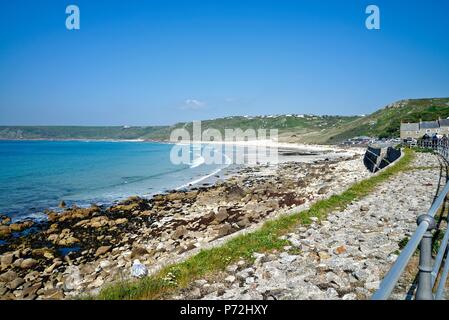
point(428, 271)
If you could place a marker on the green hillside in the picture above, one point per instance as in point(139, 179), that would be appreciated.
point(292, 128)
point(385, 123)
point(82, 132)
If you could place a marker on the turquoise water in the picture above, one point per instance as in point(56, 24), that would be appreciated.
point(36, 175)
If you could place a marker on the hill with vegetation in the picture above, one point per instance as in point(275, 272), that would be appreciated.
point(326, 129)
point(385, 123)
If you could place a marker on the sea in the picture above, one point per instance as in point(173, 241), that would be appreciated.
point(38, 175)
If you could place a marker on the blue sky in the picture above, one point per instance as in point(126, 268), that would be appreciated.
point(160, 62)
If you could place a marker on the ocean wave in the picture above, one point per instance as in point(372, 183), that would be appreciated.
point(197, 162)
point(193, 182)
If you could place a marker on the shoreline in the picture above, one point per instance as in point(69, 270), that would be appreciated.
point(309, 151)
point(164, 226)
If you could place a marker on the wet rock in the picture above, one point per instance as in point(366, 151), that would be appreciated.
point(5, 231)
point(125, 208)
point(62, 204)
point(5, 220)
point(17, 227)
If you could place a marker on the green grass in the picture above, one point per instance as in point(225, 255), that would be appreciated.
point(267, 238)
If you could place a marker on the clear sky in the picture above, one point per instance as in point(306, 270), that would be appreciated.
point(160, 62)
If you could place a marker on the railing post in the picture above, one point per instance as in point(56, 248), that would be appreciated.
point(424, 291)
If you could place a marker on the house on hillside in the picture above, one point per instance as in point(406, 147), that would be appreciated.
point(444, 126)
point(430, 128)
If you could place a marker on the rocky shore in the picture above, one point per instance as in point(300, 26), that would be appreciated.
point(342, 257)
point(81, 249)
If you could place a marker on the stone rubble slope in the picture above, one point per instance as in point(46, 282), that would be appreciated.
point(342, 257)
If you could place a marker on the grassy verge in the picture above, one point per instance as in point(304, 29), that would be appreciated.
point(264, 239)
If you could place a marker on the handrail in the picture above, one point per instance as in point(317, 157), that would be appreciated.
point(428, 273)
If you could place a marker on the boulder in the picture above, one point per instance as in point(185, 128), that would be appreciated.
point(30, 292)
point(8, 276)
point(223, 230)
point(17, 227)
point(53, 294)
point(121, 221)
point(68, 241)
point(102, 250)
point(17, 282)
point(244, 222)
point(221, 215)
point(234, 193)
point(53, 266)
point(28, 263)
point(175, 196)
point(4, 220)
point(180, 231)
point(125, 208)
point(99, 222)
point(272, 204)
point(138, 251)
point(5, 231)
point(44, 253)
point(73, 279)
point(324, 190)
point(6, 260)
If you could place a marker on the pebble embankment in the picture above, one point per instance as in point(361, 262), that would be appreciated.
point(342, 257)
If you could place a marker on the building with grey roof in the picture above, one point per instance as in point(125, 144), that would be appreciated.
point(418, 130)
